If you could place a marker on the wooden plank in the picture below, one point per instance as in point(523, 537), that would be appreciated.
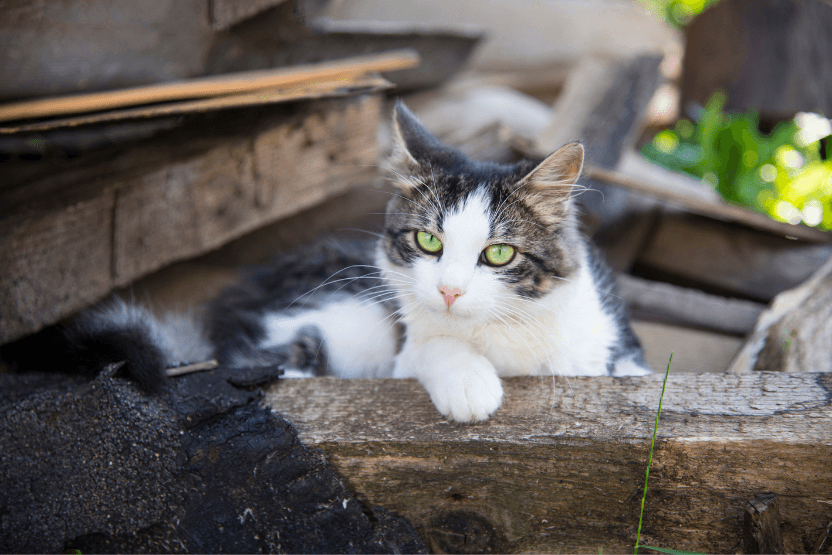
point(443, 50)
point(79, 229)
point(717, 210)
point(225, 13)
point(560, 466)
point(608, 129)
point(305, 91)
point(585, 87)
point(654, 300)
point(53, 263)
point(729, 259)
point(694, 351)
point(240, 82)
point(66, 47)
point(191, 206)
point(532, 40)
point(761, 526)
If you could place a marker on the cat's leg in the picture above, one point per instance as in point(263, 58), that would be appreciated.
point(462, 383)
point(347, 339)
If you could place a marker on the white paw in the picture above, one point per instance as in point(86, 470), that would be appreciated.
point(468, 394)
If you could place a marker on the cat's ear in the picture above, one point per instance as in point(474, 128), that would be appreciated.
point(554, 178)
point(408, 133)
point(414, 147)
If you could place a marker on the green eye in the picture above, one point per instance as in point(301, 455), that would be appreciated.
point(499, 255)
point(428, 243)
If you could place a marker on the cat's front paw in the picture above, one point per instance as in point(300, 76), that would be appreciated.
point(468, 394)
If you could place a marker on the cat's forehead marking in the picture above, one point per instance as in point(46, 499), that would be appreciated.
point(470, 218)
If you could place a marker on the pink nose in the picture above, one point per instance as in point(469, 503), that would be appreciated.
point(450, 295)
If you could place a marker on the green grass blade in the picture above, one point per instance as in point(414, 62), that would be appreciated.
point(671, 551)
point(650, 457)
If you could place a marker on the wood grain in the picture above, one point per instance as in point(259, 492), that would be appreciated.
point(272, 95)
point(234, 83)
point(731, 259)
point(52, 263)
point(561, 464)
point(76, 231)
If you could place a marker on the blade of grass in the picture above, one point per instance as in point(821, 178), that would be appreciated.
point(671, 551)
point(650, 457)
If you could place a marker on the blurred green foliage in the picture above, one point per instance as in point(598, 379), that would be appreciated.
point(781, 174)
point(677, 12)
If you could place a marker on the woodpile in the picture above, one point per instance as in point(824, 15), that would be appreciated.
point(268, 130)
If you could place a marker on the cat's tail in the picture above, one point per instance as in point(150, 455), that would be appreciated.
point(120, 333)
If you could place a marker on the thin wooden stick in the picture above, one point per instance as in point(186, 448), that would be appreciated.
point(263, 96)
point(720, 211)
point(204, 87)
point(191, 368)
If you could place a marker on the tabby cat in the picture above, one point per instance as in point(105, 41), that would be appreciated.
point(481, 272)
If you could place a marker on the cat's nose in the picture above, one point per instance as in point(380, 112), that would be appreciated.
point(450, 294)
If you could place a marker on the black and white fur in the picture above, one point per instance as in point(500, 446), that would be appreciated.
point(374, 309)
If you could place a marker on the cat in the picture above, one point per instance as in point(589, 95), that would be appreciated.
point(481, 272)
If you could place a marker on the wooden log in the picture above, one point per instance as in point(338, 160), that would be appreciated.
point(653, 300)
point(560, 466)
point(761, 531)
point(729, 260)
point(794, 333)
point(80, 229)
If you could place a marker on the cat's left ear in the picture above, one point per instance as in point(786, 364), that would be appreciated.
point(553, 179)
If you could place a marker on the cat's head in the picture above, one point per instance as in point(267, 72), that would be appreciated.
point(462, 236)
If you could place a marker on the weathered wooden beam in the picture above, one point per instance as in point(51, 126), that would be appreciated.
point(654, 300)
point(560, 466)
point(794, 333)
point(730, 259)
point(79, 230)
point(761, 525)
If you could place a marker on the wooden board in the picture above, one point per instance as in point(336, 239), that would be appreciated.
point(304, 91)
point(654, 300)
point(730, 259)
point(80, 230)
point(533, 41)
point(53, 263)
point(225, 13)
point(345, 70)
point(694, 202)
point(560, 467)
